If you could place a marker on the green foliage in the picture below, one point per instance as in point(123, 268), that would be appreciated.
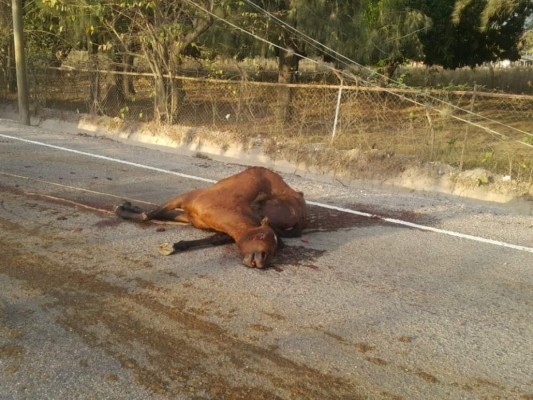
point(394, 28)
point(385, 33)
point(528, 139)
point(488, 156)
point(470, 32)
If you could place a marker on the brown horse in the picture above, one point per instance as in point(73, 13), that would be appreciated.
point(252, 208)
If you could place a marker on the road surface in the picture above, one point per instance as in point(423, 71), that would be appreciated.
point(360, 307)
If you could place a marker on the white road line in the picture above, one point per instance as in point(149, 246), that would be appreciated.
point(423, 227)
point(327, 206)
point(84, 153)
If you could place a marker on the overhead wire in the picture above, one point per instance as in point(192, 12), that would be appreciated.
point(347, 62)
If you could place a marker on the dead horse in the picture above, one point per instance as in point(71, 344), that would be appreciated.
point(252, 208)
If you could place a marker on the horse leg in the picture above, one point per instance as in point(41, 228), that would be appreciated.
point(167, 212)
point(217, 239)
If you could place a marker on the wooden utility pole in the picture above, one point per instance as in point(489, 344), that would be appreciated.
point(20, 62)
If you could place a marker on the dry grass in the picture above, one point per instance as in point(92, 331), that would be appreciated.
point(517, 80)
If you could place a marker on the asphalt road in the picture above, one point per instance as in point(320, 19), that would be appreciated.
point(359, 307)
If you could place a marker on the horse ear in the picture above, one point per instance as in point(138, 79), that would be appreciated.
point(264, 221)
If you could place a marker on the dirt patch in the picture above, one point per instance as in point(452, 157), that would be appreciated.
point(428, 377)
point(405, 339)
point(325, 220)
point(108, 222)
point(378, 213)
point(377, 361)
point(298, 256)
point(10, 351)
point(180, 355)
point(363, 347)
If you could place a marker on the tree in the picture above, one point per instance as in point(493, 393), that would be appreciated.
point(163, 30)
point(283, 26)
point(20, 56)
point(7, 52)
point(266, 19)
point(382, 32)
point(527, 37)
point(394, 28)
point(492, 9)
point(59, 26)
point(282, 23)
point(158, 31)
point(470, 32)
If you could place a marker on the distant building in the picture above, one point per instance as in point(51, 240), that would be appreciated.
point(526, 60)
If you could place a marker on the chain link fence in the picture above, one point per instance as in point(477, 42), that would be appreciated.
point(465, 129)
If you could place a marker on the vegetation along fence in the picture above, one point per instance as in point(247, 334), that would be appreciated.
point(466, 129)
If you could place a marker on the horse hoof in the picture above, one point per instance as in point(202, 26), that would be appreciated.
point(165, 249)
point(119, 207)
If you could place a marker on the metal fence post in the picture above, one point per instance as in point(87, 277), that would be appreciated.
point(337, 109)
